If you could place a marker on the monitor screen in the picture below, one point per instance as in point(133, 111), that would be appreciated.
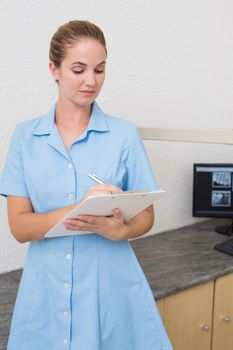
point(213, 190)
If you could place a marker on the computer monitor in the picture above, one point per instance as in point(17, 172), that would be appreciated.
point(213, 192)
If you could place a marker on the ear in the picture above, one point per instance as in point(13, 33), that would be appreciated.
point(54, 70)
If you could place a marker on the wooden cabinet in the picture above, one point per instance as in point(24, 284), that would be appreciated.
point(188, 318)
point(160, 305)
point(223, 314)
point(200, 318)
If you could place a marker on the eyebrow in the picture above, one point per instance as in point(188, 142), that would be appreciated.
point(84, 64)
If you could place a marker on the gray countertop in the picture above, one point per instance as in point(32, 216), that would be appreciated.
point(182, 258)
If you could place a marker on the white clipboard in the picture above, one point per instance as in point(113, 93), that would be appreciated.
point(130, 203)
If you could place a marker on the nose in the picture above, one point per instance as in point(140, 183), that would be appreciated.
point(90, 79)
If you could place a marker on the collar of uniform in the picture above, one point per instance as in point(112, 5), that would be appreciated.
point(97, 122)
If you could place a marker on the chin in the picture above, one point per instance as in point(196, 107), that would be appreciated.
point(86, 103)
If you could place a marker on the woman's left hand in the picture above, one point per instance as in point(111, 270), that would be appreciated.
point(112, 227)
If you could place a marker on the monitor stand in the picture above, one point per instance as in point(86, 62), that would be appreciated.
point(225, 229)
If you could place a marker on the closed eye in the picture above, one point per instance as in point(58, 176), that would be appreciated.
point(98, 71)
point(78, 71)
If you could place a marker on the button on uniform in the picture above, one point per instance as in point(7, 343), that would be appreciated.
point(70, 166)
point(68, 256)
point(70, 196)
point(66, 313)
point(65, 341)
point(66, 285)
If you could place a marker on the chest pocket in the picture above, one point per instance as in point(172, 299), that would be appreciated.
point(116, 173)
point(110, 171)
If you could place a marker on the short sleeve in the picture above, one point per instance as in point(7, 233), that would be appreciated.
point(12, 180)
point(139, 174)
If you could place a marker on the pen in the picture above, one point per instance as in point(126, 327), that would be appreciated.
point(95, 178)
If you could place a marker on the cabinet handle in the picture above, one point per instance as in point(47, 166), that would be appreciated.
point(205, 328)
point(226, 319)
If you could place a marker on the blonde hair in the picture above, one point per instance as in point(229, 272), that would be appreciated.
point(69, 33)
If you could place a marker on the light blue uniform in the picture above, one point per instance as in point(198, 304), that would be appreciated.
point(81, 292)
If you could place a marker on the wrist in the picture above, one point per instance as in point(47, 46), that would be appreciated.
point(125, 233)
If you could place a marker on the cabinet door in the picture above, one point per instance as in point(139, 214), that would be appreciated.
point(160, 305)
point(188, 318)
point(223, 313)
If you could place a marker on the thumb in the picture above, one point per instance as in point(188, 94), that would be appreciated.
point(116, 213)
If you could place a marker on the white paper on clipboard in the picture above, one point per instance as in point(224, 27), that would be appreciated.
point(130, 203)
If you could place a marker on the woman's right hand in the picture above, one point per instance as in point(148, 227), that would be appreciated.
point(104, 189)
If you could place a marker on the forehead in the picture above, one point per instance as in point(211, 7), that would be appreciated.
point(85, 50)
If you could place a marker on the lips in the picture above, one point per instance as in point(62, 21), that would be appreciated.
point(87, 93)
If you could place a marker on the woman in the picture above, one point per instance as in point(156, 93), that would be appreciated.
point(83, 292)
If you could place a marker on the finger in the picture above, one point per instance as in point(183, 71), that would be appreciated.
point(79, 222)
point(91, 219)
point(106, 187)
point(87, 218)
point(96, 192)
point(80, 227)
point(112, 188)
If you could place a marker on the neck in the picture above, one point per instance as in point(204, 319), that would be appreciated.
point(71, 115)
